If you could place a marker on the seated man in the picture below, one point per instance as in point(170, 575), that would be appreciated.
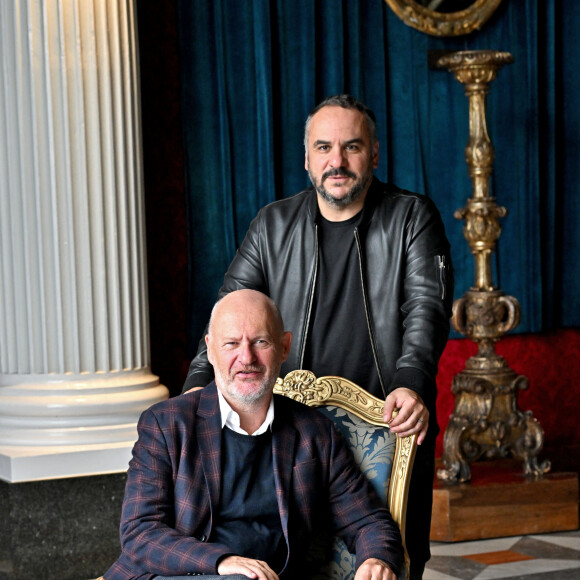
point(233, 481)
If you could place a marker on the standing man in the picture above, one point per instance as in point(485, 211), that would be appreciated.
point(361, 271)
point(233, 481)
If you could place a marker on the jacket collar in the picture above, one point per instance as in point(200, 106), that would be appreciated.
point(283, 455)
point(209, 435)
point(371, 201)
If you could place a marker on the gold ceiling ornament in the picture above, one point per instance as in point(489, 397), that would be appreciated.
point(428, 16)
point(486, 422)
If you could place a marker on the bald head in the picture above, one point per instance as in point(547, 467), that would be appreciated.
point(245, 300)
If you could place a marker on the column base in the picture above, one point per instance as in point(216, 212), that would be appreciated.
point(65, 529)
point(22, 464)
point(71, 426)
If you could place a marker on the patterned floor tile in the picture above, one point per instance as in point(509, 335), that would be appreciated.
point(475, 547)
point(453, 568)
point(501, 557)
point(543, 547)
point(524, 569)
point(431, 574)
point(546, 556)
point(569, 540)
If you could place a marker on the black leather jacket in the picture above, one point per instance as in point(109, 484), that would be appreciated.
point(406, 272)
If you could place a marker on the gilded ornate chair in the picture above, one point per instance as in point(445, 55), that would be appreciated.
point(384, 458)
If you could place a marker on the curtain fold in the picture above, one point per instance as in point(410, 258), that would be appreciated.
point(251, 71)
point(567, 152)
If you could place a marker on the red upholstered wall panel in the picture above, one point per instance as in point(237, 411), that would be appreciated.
point(550, 361)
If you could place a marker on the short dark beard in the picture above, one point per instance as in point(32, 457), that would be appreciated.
point(355, 192)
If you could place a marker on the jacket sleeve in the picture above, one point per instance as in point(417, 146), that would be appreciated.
point(427, 301)
point(245, 271)
point(150, 542)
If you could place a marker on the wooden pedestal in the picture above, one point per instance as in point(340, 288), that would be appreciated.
point(499, 501)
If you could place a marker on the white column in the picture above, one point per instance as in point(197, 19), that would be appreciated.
point(74, 345)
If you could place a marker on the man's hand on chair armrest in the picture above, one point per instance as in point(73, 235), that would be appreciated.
point(374, 569)
point(249, 567)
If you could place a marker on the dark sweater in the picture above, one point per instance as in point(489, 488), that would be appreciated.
point(249, 517)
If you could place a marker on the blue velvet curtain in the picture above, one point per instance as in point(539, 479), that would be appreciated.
point(252, 69)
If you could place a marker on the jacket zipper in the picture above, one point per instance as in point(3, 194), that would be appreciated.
point(367, 314)
point(310, 301)
point(441, 266)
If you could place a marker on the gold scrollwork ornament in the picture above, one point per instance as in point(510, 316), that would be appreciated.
point(424, 16)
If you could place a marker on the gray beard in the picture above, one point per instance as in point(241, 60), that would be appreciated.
point(226, 385)
point(355, 192)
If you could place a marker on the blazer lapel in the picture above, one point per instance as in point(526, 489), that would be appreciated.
point(209, 436)
point(283, 443)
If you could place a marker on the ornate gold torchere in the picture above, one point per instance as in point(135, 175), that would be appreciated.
point(486, 422)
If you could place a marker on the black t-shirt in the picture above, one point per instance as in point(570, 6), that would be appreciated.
point(338, 337)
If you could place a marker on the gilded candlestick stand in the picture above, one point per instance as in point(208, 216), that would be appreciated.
point(486, 422)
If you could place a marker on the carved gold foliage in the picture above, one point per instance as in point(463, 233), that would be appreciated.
point(405, 457)
point(481, 228)
point(484, 315)
point(478, 66)
point(400, 477)
point(304, 387)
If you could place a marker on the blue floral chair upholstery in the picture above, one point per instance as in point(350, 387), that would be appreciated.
point(383, 457)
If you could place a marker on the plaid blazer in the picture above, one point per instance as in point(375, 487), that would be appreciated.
point(173, 489)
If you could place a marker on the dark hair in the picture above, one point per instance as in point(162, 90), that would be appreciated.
point(346, 102)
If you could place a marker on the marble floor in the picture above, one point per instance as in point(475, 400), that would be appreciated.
point(553, 556)
point(546, 556)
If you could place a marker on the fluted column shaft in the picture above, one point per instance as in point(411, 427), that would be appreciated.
point(74, 336)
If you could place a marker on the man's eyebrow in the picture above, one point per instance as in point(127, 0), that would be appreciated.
point(356, 140)
point(235, 338)
point(262, 336)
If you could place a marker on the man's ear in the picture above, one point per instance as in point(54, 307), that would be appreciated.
point(376, 155)
point(209, 348)
point(286, 341)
